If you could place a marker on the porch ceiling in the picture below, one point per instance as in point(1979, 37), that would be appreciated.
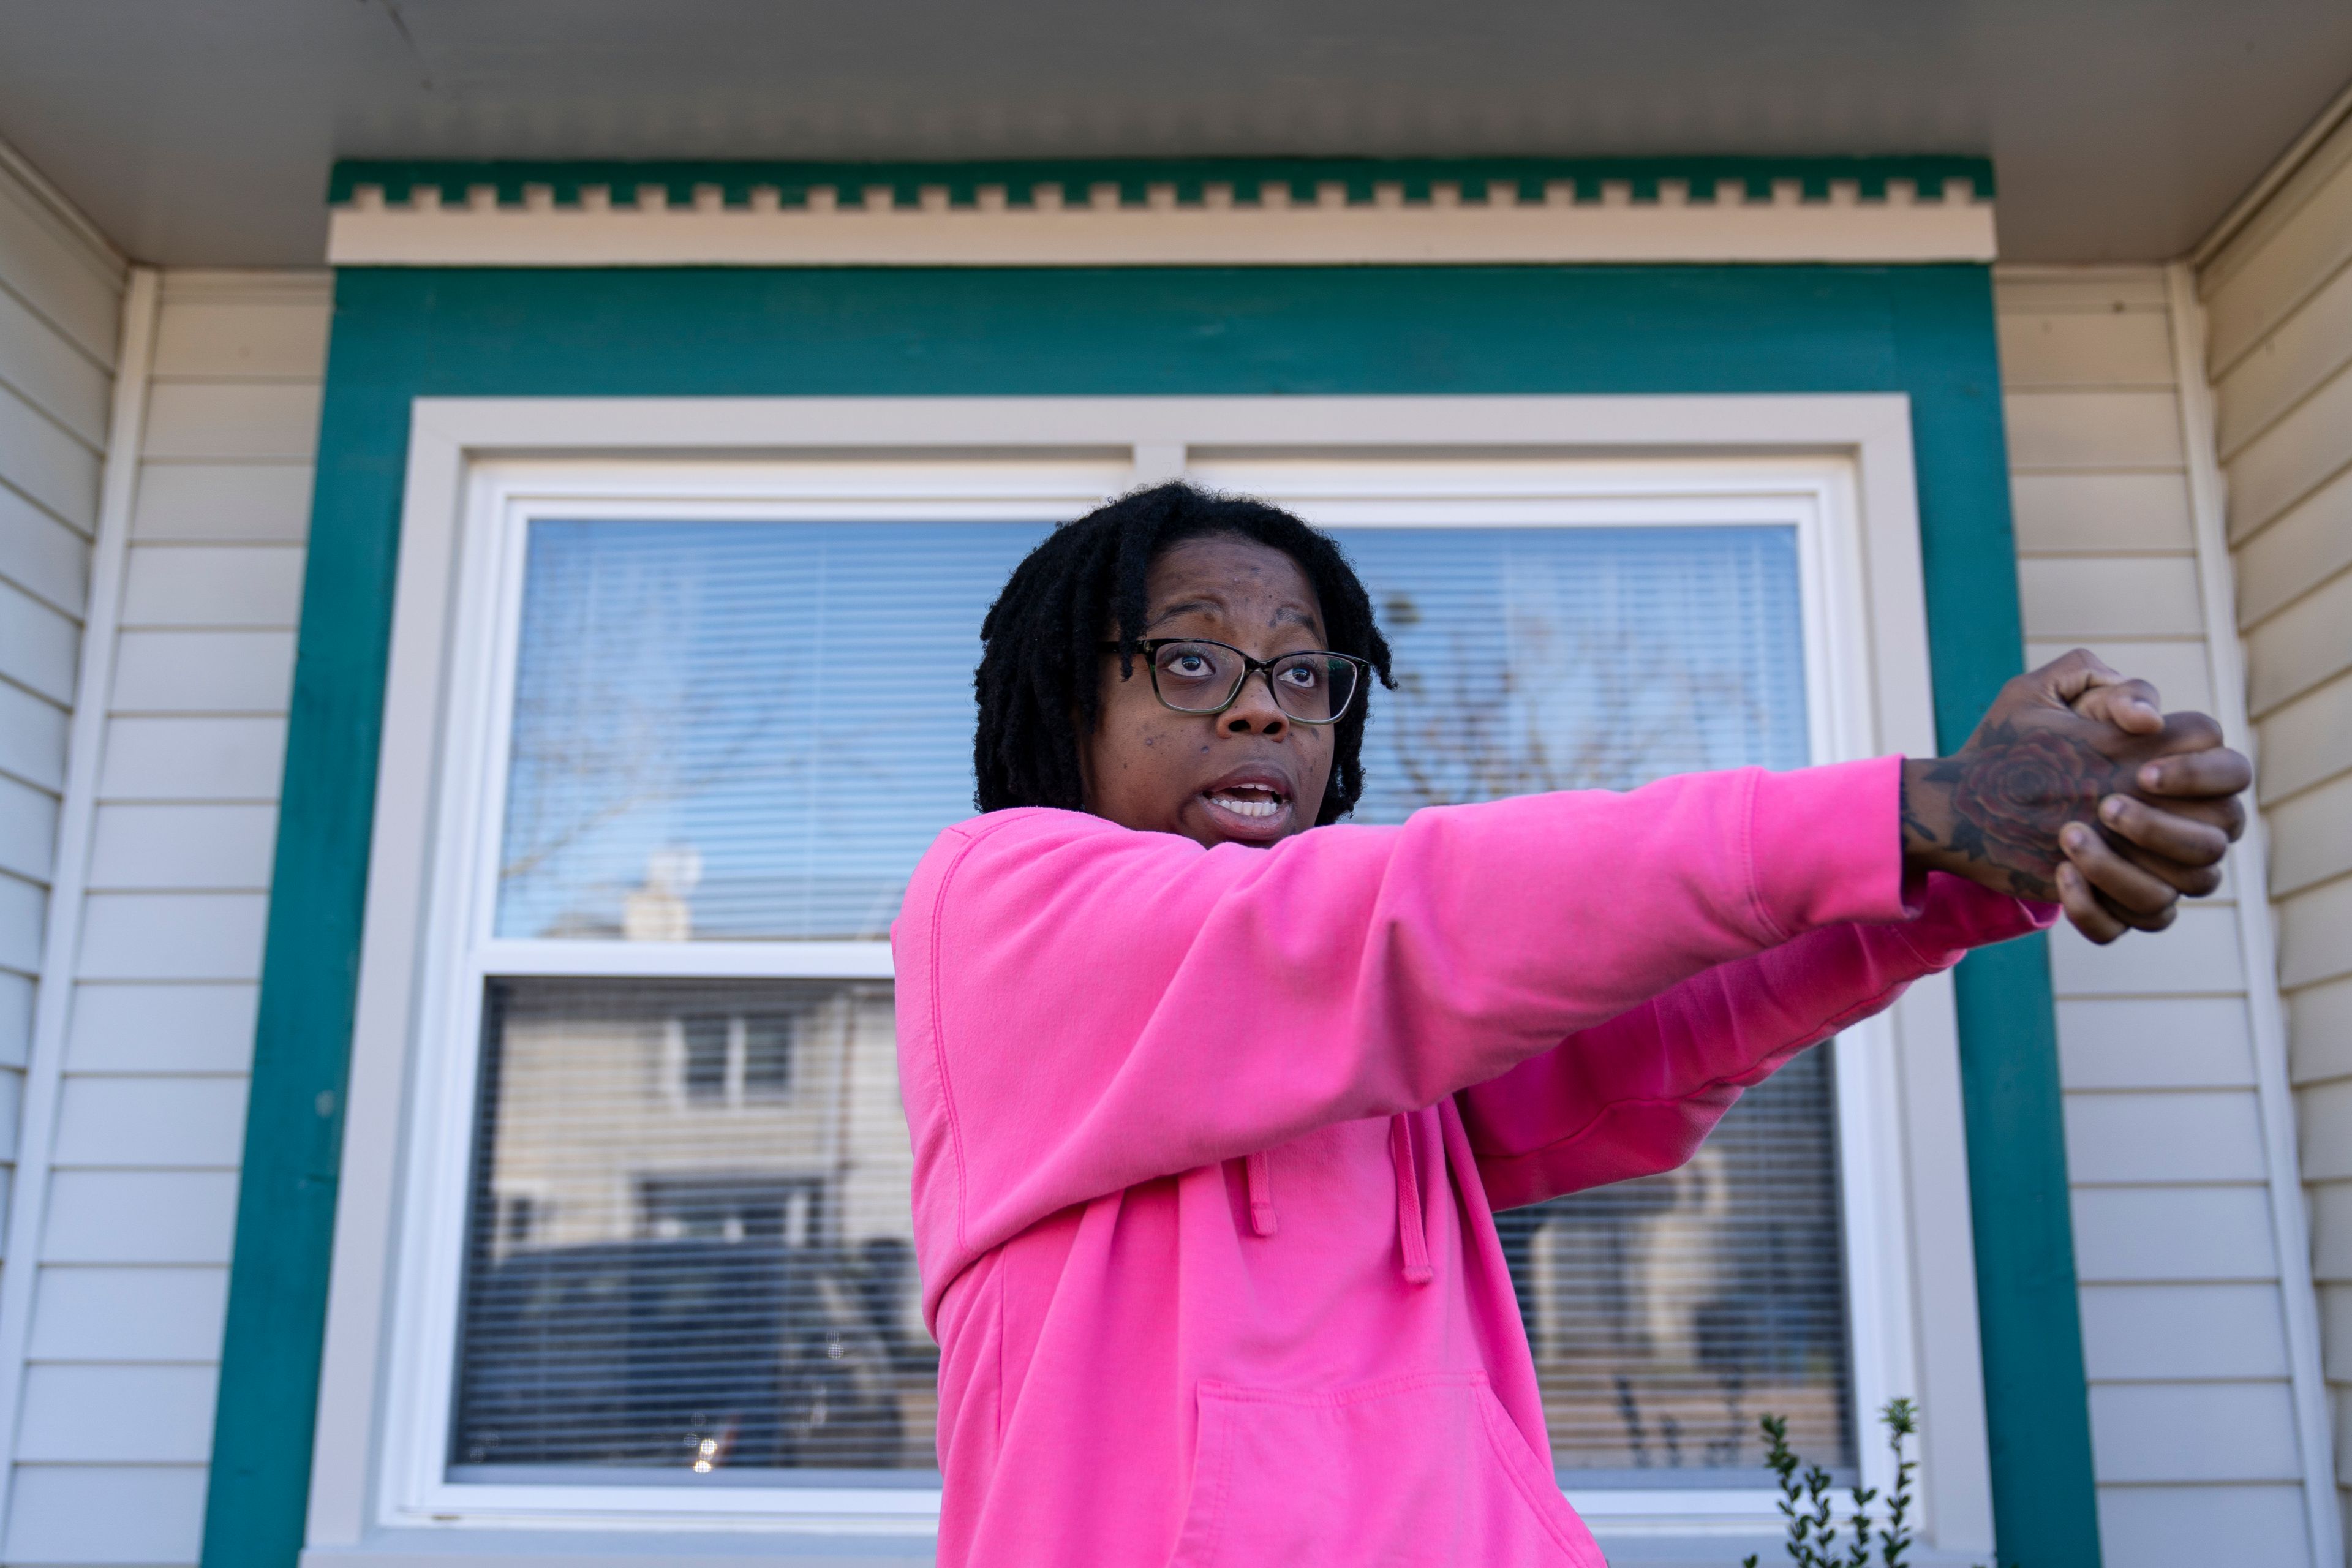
point(201, 133)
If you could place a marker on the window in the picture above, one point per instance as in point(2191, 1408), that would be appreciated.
point(712, 1276)
point(1664, 1314)
point(731, 1059)
point(653, 1258)
point(739, 731)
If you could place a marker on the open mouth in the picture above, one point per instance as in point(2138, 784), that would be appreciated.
point(1251, 806)
point(1249, 802)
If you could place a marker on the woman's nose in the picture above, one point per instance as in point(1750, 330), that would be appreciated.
point(1254, 710)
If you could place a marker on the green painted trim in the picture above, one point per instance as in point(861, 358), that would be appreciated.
point(399, 333)
point(1134, 178)
point(259, 1483)
point(2028, 1307)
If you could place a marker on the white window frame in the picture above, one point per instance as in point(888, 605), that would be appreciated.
point(1838, 466)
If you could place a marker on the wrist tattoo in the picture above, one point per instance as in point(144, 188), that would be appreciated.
point(2009, 792)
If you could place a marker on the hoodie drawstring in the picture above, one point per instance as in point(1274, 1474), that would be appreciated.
point(1260, 1170)
point(1411, 1235)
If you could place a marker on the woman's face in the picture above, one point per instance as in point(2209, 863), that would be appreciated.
point(1248, 775)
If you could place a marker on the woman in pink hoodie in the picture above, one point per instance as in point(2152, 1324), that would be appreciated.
point(1211, 1112)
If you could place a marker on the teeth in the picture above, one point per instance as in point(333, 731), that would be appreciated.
point(1240, 806)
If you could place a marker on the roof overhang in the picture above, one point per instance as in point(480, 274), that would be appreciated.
point(201, 135)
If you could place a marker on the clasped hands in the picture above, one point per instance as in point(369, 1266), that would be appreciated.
point(2077, 788)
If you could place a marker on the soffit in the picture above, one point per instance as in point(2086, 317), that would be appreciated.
point(203, 135)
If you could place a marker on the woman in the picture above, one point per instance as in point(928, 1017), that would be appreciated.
point(1210, 1112)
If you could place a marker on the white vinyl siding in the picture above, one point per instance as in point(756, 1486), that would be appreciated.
point(122, 1369)
point(131, 1514)
point(2278, 303)
point(2192, 1423)
point(60, 302)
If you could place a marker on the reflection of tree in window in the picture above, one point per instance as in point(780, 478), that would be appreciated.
point(1530, 705)
point(574, 777)
point(745, 694)
point(1664, 1312)
point(610, 723)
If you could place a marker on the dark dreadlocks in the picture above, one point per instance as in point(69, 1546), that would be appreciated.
point(1038, 679)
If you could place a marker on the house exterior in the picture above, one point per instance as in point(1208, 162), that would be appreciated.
point(470, 696)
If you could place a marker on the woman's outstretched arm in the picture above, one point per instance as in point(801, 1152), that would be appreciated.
point(1636, 1095)
point(1083, 1007)
point(2066, 747)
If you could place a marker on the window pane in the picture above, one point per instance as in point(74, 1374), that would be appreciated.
point(703, 1039)
point(1539, 658)
point(740, 729)
point(690, 1222)
point(1666, 1314)
point(768, 1045)
point(698, 1271)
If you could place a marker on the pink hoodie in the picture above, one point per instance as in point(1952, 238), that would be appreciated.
point(1208, 1142)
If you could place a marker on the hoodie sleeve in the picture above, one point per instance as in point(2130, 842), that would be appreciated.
point(1635, 1095)
point(1083, 1007)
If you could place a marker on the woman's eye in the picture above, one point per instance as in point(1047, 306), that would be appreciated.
point(1192, 666)
point(1305, 676)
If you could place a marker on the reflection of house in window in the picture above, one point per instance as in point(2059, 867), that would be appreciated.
point(520, 1217)
point(1665, 1314)
point(598, 1087)
point(702, 1067)
point(777, 1213)
point(693, 1245)
point(662, 909)
point(767, 1055)
point(733, 1059)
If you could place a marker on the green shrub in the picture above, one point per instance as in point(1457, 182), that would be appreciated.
point(1815, 1538)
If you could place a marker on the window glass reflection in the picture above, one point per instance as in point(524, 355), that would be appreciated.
point(690, 1248)
point(1666, 1314)
point(740, 730)
point(689, 1252)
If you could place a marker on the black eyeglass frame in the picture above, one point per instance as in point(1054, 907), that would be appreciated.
point(1149, 647)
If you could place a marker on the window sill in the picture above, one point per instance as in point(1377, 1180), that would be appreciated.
point(617, 1549)
point(668, 1549)
point(1723, 1550)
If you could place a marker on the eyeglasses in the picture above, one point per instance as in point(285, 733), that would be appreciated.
point(1192, 675)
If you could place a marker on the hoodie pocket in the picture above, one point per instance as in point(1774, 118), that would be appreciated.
point(1418, 1470)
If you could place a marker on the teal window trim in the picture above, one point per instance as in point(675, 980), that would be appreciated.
point(401, 333)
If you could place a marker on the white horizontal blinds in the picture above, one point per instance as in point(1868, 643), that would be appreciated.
point(689, 1254)
point(689, 1251)
point(1590, 658)
point(740, 730)
point(1666, 1314)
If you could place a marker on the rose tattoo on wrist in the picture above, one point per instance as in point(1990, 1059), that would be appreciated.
point(2000, 803)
